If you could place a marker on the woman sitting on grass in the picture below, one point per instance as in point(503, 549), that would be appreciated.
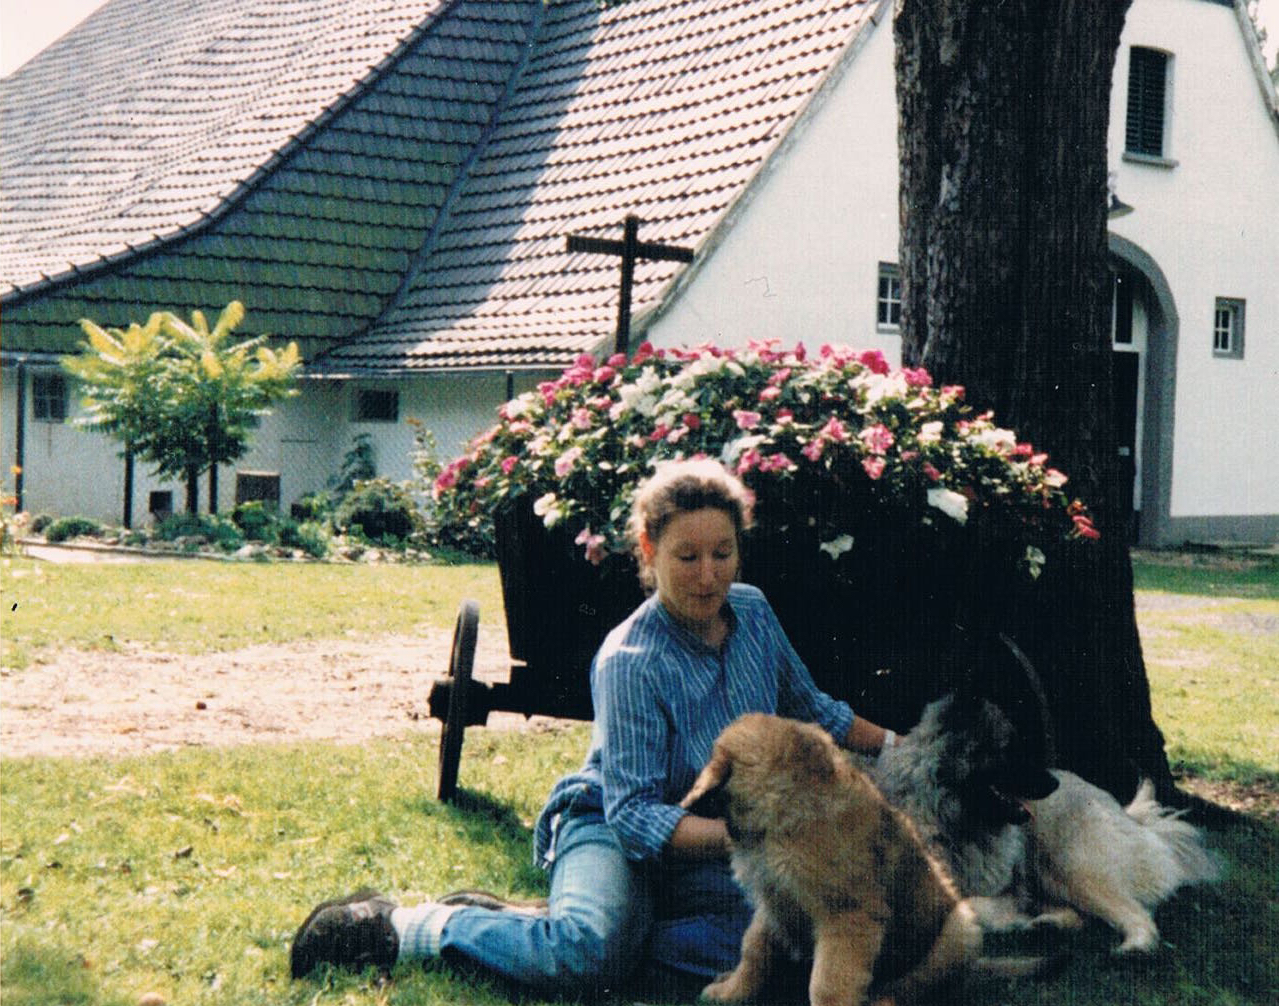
point(633, 877)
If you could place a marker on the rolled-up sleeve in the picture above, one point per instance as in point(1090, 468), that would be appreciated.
point(632, 721)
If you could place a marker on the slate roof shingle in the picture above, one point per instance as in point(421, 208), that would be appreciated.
point(391, 179)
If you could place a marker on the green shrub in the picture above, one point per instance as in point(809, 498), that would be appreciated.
point(380, 511)
point(213, 529)
point(310, 536)
point(40, 522)
point(316, 506)
point(66, 528)
point(257, 520)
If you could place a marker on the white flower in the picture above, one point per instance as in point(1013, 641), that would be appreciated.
point(546, 508)
point(734, 448)
point(930, 433)
point(837, 546)
point(949, 502)
point(517, 407)
point(997, 440)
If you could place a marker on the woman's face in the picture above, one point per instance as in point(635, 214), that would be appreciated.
point(694, 562)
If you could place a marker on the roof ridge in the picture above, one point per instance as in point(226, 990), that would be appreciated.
point(463, 175)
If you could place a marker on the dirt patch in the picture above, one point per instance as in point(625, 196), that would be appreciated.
point(135, 700)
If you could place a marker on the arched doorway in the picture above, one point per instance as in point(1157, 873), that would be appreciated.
point(1144, 333)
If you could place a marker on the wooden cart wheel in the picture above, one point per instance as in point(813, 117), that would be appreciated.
point(461, 663)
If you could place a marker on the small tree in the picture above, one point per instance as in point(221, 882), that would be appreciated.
point(180, 395)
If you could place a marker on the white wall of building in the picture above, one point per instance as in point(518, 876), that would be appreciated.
point(1225, 167)
point(801, 262)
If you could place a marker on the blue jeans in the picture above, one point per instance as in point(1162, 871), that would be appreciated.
point(607, 918)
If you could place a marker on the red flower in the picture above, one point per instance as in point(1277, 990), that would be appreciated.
point(874, 361)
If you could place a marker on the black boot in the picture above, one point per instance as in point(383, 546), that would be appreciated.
point(351, 932)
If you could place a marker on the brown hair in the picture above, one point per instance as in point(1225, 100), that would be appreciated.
point(677, 487)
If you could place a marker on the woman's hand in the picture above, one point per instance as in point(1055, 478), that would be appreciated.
point(700, 838)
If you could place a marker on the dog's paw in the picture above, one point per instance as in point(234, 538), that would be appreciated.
point(727, 988)
point(1059, 918)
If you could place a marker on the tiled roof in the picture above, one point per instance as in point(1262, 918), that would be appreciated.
point(392, 178)
point(661, 108)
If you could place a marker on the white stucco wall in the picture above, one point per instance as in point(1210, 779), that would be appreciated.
point(801, 262)
point(1211, 222)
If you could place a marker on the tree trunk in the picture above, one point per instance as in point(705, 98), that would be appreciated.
point(1003, 115)
point(128, 487)
point(193, 490)
point(213, 488)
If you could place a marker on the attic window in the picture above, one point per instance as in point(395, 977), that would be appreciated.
point(49, 398)
point(1227, 328)
point(1146, 133)
point(377, 405)
point(888, 300)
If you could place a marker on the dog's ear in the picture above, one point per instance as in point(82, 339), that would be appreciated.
point(713, 778)
point(810, 754)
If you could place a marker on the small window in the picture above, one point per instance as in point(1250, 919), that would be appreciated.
point(374, 405)
point(888, 301)
point(1146, 130)
point(1227, 328)
point(49, 397)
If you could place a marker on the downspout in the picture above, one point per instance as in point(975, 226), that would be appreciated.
point(20, 428)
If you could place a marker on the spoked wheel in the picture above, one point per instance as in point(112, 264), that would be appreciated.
point(461, 664)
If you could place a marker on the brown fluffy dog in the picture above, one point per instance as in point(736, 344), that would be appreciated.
point(830, 866)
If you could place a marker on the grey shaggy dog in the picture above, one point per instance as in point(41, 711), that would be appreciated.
point(1022, 837)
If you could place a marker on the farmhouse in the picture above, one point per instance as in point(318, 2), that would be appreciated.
point(392, 185)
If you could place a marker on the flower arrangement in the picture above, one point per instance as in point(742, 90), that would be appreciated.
point(786, 421)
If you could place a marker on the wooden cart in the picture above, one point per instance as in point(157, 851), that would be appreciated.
point(902, 622)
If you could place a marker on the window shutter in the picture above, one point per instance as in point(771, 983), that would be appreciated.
point(1147, 84)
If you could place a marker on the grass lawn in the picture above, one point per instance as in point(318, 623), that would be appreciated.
point(185, 874)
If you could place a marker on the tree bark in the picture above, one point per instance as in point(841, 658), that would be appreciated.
point(128, 487)
point(1003, 114)
point(193, 490)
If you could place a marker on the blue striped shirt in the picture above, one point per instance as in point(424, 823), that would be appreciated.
point(662, 696)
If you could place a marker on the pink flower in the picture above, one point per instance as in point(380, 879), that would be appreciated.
point(836, 430)
point(874, 361)
point(878, 438)
point(769, 393)
point(931, 471)
point(777, 463)
point(692, 420)
point(520, 426)
point(509, 463)
point(813, 449)
point(750, 459)
point(565, 462)
point(1023, 451)
point(594, 545)
point(603, 374)
point(582, 418)
point(780, 377)
point(1084, 527)
point(659, 432)
point(955, 391)
point(644, 352)
point(917, 377)
point(746, 419)
point(616, 360)
point(785, 417)
point(874, 467)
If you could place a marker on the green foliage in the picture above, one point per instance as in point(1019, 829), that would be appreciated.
point(358, 465)
point(257, 520)
point(316, 506)
point(379, 510)
point(221, 532)
point(66, 528)
point(180, 396)
point(447, 536)
point(311, 537)
point(40, 522)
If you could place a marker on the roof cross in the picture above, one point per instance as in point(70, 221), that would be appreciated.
point(630, 248)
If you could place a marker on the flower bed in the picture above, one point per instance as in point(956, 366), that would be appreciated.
point(883, 502)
